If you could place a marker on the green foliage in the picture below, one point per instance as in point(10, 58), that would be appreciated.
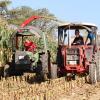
point(20, 14)
point(5, 33)
point(46, 24)
point(5, 3)
point(53, 50)
point(52, 46)
point(3, 6)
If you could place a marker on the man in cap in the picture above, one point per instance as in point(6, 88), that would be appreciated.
point(78, 39)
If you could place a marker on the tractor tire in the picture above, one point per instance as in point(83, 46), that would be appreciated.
point(98, 65)
point(44, 66)
point(6, 70)
point(92, 73)
point(53, 71)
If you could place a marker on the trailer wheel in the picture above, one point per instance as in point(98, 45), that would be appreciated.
point(6, 70)
point(92, 73)
point(53, 71)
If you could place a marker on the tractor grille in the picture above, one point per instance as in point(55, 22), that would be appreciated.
point(72, 56)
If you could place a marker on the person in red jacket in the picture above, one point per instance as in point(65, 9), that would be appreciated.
point(29, 46)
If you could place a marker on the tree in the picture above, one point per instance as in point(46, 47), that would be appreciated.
point(3, 7)
point(20, 14)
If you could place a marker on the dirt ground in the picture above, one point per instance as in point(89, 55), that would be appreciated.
point(86, 92)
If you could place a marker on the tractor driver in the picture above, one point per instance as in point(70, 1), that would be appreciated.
point(78, 39)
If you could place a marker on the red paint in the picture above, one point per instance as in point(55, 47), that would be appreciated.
point(30, 46)
point(26, 22)
point(78, 67)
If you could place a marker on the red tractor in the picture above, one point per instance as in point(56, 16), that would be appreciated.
point(80, 57)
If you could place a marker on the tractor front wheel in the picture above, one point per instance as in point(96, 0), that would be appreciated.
point(92, 73)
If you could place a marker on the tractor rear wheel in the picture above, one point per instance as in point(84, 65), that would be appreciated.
point(94, 69)
point(92, 73)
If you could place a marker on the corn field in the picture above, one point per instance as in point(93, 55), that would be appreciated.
point(5, 55)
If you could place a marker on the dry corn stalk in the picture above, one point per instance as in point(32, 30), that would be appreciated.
point(17, 88)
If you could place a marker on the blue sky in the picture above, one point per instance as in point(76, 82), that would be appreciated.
point(68, 10)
